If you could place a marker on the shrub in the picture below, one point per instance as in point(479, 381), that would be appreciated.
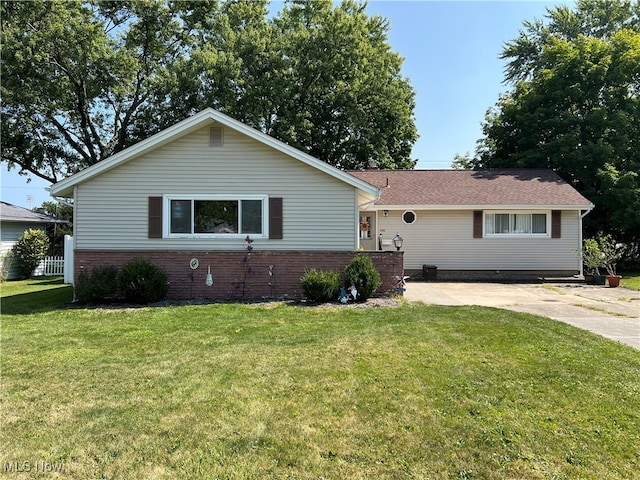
point(31, 248)
point(612, 252)
point(98, 286)
point(142, 282)
point(364, 276)
point(592, 256)
point(601, 252)
point(5, 265)
point(321, 286)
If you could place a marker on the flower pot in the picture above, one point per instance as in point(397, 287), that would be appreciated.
point(588, 279)
point(600, 279)
point(614, 280)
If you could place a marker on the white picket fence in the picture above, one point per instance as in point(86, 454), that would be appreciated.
point(51, 267)
point(58, 266)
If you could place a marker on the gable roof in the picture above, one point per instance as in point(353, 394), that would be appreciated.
point(14, 213)
point(190, 124)
point(449, 189)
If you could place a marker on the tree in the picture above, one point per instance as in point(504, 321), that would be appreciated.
point(78, 76)
point(575, 108)
point(342, 68)
point(84, 80)
point(56, 232)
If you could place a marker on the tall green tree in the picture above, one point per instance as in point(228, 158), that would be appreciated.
point(56, 232)
point(347, 101)
point(574, 107)
point(78, 76)
point(83, 80)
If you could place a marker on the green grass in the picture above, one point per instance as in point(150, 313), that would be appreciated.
point(33, 295)
point(281, 391)
point(630, 279)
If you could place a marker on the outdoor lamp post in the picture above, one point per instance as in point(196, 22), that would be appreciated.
point(397, 242)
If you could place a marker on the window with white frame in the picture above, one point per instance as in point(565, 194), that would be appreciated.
point(516, 223)
point(216, 215)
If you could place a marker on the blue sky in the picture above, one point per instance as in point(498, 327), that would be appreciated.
point(451, 51)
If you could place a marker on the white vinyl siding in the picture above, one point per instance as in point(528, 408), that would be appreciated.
point(445, 239)
point(112, 208)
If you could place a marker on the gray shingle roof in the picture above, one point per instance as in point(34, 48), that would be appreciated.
point(13, 213)
point(500, 187)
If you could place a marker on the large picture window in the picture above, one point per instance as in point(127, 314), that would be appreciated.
point(216, 215)
point(509, 223)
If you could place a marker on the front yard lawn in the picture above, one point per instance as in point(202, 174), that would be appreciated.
point(631, 279)
point(284, 391)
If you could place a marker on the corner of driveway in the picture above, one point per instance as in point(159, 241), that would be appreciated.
point(613, 313)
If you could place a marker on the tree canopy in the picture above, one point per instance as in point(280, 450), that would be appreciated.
point(56, 232)
point(574, 107)
point(83, 80)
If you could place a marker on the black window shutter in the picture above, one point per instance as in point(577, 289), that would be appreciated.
point(155, 217)
point(477, 224)
point(275, 218)
point(556, 224)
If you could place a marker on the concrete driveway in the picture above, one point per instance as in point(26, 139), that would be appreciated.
point(613, 313)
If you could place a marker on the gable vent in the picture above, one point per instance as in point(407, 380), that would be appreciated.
point(216, 137)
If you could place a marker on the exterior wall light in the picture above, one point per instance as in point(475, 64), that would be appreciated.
point(385, 213)
point(397, 242)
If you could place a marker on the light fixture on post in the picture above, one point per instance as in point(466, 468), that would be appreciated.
point(397, 242)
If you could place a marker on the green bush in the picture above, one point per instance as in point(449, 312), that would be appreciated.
point(5, 265)
point(364, 276)
point(30, 249)
point(592, 256)
point(98, 286)
point(142, 282)
point(321, 286)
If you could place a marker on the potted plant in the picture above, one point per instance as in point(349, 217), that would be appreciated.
point(593, 260)
point(612, 252)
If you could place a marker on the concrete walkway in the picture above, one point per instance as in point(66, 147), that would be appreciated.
point(613, 313)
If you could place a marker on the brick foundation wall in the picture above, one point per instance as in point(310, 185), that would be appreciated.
point(228, 270)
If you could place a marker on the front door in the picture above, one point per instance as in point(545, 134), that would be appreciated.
point(367, 230)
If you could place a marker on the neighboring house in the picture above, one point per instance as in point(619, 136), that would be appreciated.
point(192, 193)
point(477, 224)
point(14, 221)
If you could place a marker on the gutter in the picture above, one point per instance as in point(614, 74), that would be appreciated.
point(586, 212)
point(483, 207)
point(371, 202)
point(61, 200)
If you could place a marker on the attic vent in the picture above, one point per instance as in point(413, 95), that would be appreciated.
point(216, 138)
